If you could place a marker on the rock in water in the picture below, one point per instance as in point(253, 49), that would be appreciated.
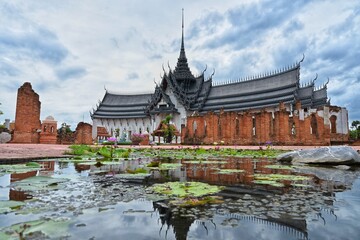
point(336, 155)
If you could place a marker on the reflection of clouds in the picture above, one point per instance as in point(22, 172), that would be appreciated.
point(244, 230)
point(111, 223)
point(333, 175)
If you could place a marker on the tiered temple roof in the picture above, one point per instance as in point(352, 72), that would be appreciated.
point(198, 94)
point(116, 106)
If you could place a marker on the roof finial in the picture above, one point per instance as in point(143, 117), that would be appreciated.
point(182, 31)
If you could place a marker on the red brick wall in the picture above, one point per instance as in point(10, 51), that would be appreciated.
point(221, 128)
point(27, 119)
point(83, 134)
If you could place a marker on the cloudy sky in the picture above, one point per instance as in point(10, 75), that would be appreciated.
point(71, 50)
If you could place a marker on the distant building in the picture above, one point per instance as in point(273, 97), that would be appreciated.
point(272, 107)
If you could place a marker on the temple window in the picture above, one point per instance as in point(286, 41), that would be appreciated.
point(194, 126)
point(237, 126)
point(272, 124)
point(253, 126)
point(333, 123)
point(205, 128)
point(314, 129)
point(140, 131)
point(293, 129)
point(45, 128)
point(219, 128)
point(52, 129)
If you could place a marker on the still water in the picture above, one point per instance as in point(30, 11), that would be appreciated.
point(95, 202)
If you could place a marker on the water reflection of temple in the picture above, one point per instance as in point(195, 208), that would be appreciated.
point(296, 228)
point(15, 195)
point(209, 172)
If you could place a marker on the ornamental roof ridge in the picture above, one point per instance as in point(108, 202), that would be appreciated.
point(259, 76)
point(129, 93)
point(322, 86)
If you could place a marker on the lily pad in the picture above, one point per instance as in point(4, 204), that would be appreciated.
point(53, 228)
point(187, 189)
point(38, 183)
point(279, 177)
point(205, 162)
point(194, 202)
point(269, 182)
point(133, 176)
point(33, 164)
point(283, 167)
point(9, 206)
point(90, 163)
point(230, 171)
point(169, 166)
point(18, 168)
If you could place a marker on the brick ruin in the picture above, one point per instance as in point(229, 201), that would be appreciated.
point(27, 119)
point(83, 134)
point(48, 133)
point(324, 126)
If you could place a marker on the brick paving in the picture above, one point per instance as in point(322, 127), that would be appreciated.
point(9, 152)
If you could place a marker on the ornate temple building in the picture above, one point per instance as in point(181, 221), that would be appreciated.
point(272, 107)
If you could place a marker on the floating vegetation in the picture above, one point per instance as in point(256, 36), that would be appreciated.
point(229, 171)
point(283, 167)
point(20, 168)
point(33, 164)
point(76, 159)
point(9, 206)
point(279, 177)
point(38, 183)
point(169, 166)
point(132, 175)
point(276, 179)
point(136, 171)
point(195, 202)
point(205, 162)
point(269, 182)
point(185, 189)
point(39, 229)
point(154, 164)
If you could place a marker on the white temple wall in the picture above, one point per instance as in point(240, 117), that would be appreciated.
point(126, 126)
point(341, 120)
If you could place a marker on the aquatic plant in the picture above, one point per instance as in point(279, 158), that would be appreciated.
point(136, 171)
point(20, 168)
point(8, 206)
point(195, 202)
point(80, 150)
point(186, 189)
point(44, 229)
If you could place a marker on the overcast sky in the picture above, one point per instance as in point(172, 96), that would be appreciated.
point(71, 50)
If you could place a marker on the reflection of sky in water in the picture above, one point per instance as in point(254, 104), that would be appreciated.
point(4, 190)
point(115, 223)
point(344, 224)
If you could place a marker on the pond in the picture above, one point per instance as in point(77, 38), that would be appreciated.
point(258, 199)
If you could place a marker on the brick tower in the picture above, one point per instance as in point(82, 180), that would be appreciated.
point(27, 119)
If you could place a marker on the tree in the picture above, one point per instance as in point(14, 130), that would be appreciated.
point(355, 125)
point(168, 128)
point(1, 111)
